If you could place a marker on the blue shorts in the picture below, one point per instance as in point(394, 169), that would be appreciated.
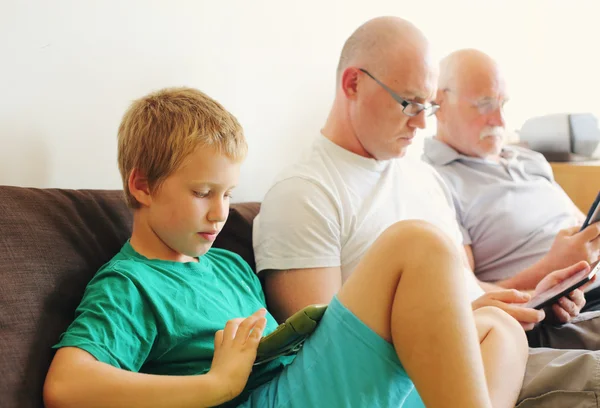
point(343, 364)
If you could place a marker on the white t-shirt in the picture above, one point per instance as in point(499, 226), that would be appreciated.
point(327, 210)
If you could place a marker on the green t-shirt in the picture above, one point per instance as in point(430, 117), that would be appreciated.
point(160, 317)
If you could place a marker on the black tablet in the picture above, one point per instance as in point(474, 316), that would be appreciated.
point(565, 287)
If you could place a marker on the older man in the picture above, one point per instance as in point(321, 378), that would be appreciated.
point(518, 225)
point(323, 213)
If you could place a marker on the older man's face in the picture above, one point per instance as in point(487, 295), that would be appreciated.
point(474, 114)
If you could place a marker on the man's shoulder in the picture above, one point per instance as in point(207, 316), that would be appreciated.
point(312, 177)
point(526, 153)
point(325, 164)
point(534, 163)
point(297, 195)
point(439, 154)
point(311, 168)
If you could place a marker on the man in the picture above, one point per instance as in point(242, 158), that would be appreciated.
point(518, 225)
point(322, 214)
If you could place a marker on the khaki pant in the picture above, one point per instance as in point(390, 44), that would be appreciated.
point(563, 369)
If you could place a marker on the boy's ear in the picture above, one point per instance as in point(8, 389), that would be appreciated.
point(139, 187)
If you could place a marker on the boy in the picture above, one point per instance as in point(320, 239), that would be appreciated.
point(144, 333)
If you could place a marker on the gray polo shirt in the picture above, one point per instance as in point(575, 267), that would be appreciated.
point(509, 212)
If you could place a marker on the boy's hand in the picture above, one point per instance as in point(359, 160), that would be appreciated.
point(235, 352)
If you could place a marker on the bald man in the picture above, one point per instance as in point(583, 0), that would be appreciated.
point(323, 213)
point(518, 225)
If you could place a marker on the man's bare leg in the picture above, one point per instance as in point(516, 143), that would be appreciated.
point(410, 289)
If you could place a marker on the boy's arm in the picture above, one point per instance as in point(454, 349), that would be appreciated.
point(77, 379)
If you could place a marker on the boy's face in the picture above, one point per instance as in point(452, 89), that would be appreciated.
point(191, 206)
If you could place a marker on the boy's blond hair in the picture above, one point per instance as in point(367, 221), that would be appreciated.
point(160, 130)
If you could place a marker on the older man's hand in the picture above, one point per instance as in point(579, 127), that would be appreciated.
point(569, 306)
point(571, 246)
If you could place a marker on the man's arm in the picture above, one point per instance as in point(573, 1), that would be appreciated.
point(525, 280)
point(297, 240)
point(569, 247)
point(290, 290)
point(528, 278)
point(567, 308)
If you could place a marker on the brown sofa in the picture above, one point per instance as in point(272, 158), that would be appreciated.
point(51, 243)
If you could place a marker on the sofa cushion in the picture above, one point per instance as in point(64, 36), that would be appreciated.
point(51, 243)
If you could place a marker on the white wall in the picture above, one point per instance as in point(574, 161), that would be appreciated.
point(69, 69)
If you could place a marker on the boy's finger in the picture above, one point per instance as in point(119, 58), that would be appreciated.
point(248, 324)
point(231, 328)
point(245, 327)
point(259, 328)
point(257, 333)
point(218, 339)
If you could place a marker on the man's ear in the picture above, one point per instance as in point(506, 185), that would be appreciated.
point(139, 187)
point(442, 100)
point(349, 82)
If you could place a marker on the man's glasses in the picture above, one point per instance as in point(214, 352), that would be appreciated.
point(486, 105)
point(409, 108)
